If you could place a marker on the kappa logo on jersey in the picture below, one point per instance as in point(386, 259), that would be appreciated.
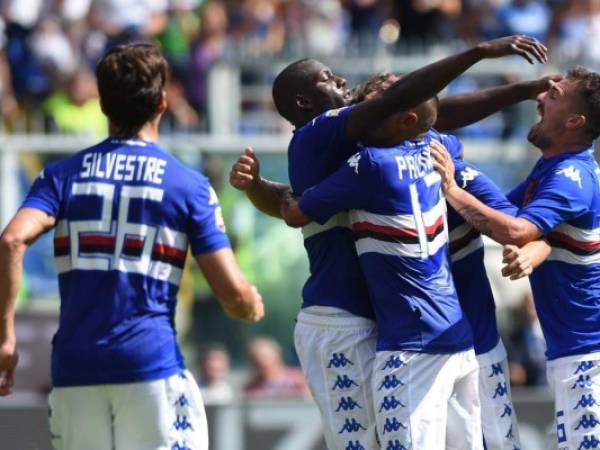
point(343, 382)
point(587, 422)
point(351, 426)
point(393, 362)
point(501, 390)
point(395, 445)
point(339, 360)
point(181, 423)
point(390, 403)
point(507, 410)
point(353, 162)
point(392, 425)
point(510, 434)
point(584, 366)
point(356, 445)
point(583, 382)
point(347, 404)
point(586, 401)
point(572, 174)
point(589, 442)
point(469, 174)
point(178, 446)
point(182, 401)
point(496, 370)
point(390, 382)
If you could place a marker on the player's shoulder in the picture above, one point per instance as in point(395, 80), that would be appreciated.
point(70, 165)
point(324, 120)
point(575, 170)
point(452, 142)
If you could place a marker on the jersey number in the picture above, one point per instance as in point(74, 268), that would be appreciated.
point(107, 232)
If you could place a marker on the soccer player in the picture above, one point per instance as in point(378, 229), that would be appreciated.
point(559, 200)
point(124, 213)
point(335, 333)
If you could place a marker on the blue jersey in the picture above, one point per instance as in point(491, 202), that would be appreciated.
point(317, 150)
point(125, 211)
point(466, 249)
point(398, 222)
point(561, 197)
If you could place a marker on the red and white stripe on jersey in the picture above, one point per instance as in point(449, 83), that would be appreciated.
point(167, 257)
point(339, 220)
point(574, 245)
point(398, 235)
point(464, 240)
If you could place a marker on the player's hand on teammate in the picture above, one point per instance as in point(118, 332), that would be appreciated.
point(517, 263)
point(527, 47)
point(542, 84)
point(245, 173)
point(8, 362)
point(442, 161)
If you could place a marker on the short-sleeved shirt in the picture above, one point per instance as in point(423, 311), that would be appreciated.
point(561, 197)
point(126, 213)
point(336, 280)
point(398, 218)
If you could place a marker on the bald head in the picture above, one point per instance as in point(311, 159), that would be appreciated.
point(307, 88)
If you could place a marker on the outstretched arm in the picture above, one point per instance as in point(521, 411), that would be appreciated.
point(27, 225)
point(424, 83)
point(501, 227)
point(461, 110)
point(265, 195)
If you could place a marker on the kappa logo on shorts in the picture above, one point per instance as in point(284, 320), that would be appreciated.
point(589, 442)
point(586, 401)
point(181, 423)
point(392, 425)
point(587, 422)
point(496, 370)
point(390, 403)
point(501, 390)
point(390, 382)
point(182, 401)
point(351, 426)
point(343, 382)
point(178, 446)
point(510, 434)
point(583, 382)
point(356, 445)
point(393, 362)
point(339, 360)
point(396, 445)
point(584, 366)
point(347, 404)
point(507, 410)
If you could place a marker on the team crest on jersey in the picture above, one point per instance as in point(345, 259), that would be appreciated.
point(334, 112)
point(572, 174)
point(469, 174)
point(353, 162)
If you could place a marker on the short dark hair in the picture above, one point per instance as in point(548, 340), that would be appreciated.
point(373, 84)
point(588, 88)
point(131, 79)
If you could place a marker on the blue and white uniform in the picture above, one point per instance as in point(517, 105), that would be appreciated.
point(398, 219)
point(561, 197)
point(126, 213)
point(498, 417)
point(335, 332)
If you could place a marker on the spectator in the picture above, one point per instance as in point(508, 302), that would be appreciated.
point(214, 375)
point(428, 20)
point(272, 379)
point(257, 25)
point(530, 17)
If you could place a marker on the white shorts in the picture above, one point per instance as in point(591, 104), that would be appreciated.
point(165, 414)
point(337, 351)
point(575, 381)
point(412, 392)
point(498, 418)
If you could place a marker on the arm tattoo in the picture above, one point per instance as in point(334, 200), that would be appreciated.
point(477, 219)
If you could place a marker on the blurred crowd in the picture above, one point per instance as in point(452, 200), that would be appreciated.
point(49, 47)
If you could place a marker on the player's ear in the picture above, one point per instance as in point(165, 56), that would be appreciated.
point(576, 121)
point(162, 103)
point(303, 102)
point(410, 119)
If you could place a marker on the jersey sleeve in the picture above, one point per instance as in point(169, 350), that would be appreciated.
point(206, 228)
point(517, 195)
point(562, 195)
point(44, 194)
point(347, 188)
point(482, 188)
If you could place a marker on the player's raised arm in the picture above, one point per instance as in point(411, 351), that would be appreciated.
point(265, 195)
point(27, 225)
point(424, 83)
point(238, 298)
point(461, 110)
point(501, 227)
